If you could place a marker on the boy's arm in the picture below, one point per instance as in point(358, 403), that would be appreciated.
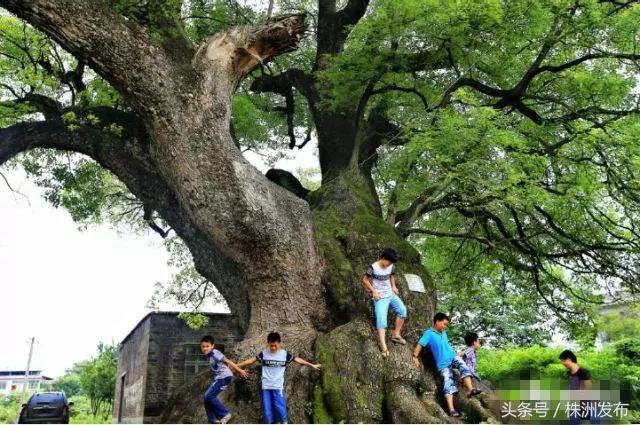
point(416, 354)
point(422, 342)
point(366, 282)
point(302, 361)
point(394, 288)
point(247, 362)
point(234, 367)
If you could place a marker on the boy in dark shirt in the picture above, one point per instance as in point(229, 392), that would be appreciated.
point(579, 379)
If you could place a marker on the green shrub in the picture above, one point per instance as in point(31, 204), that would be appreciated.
point(515, 363)
point(81, 412)
point(617, 362)
point(629, 348)
point(10, 407)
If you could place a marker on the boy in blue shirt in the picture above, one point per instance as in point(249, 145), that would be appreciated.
point(274, 360)
point(436, 339)
point(221, 367)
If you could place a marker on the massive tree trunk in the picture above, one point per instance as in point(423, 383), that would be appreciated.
point(281, 262)
point(261, 229)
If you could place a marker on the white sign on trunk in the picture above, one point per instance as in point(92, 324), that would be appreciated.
point(415, 283)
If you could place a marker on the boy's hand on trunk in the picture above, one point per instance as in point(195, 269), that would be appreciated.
point(376, 295)
point(395, 290)
point(416, 361)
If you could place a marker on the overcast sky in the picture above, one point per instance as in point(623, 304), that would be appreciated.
point(70, 288)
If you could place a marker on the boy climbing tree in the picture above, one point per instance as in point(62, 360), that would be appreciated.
point(446, 360)
point(380, 281)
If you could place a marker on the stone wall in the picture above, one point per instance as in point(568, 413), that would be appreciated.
point(128, 401)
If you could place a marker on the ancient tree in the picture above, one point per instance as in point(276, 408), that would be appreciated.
point(413, 104)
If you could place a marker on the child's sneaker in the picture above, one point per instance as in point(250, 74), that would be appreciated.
point(454, 413)
point(225, 419)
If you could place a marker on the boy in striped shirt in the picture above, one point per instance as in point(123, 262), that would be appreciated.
point(469, 356)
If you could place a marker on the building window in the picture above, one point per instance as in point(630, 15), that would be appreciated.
point(33, 384)
point(193, 360)
point(3, 385)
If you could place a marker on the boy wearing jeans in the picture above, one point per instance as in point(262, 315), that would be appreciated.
point(446, 360)
point(221, 367)
point(274, 360)
point(380, 281)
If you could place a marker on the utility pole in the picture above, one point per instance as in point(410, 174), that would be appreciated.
point(26, 372)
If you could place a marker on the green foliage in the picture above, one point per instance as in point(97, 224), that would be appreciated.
point(186, 288)
point(519, 363)
point(256, 126)
point(194, 320)
point(69, 383)
point(203, 18)
point(20, 45)
point(629, 348)
point(90, 385)
point(98, 379)
point(81, 412)
point(622, 324)
point(10, 406)
point(309, 178)
point(90, 193)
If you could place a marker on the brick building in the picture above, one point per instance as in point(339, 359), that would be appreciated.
point(157, 357)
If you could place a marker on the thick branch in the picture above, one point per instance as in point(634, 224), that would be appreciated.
point(514, 97)
point(89, 140)
point(127, 156)
point(333, 26)
point(239, 50)
point(284, 82)
point(47, 106)
point(120, 51)
point(420, 206)
point(351, 13)
point(454, 235)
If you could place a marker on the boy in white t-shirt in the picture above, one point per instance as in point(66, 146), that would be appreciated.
point(380, 281)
